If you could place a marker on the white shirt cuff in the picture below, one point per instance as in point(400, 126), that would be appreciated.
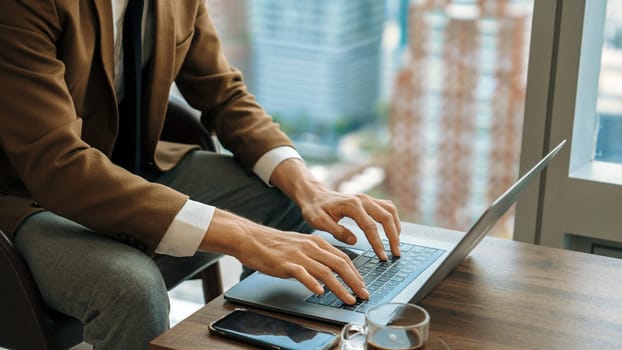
point(271, 159)
point(187, 230)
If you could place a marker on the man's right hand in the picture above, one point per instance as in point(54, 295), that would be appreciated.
point(307, 258)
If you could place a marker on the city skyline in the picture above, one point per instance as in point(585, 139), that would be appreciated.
point(453, 74)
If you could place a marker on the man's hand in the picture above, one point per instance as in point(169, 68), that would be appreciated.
point(323, 208)
point(307, 258)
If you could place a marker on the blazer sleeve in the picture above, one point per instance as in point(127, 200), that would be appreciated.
point(41, 136)
point(209, 84)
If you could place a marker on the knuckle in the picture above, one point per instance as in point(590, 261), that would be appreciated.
point(393, 210)
point(355, 201)
point(305, 245)
point(389, 203)
point(315, 240)
point(362, 196)
point(341, 270)
point(342, 255)
point(385, 216)
point(324, 273)
point(311, 216)
point(369, 226)
point(294, 270)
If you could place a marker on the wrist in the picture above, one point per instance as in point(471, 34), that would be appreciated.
point(294, 179)
point(228, 233)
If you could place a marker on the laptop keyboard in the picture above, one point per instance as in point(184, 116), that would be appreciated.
point(384, 279)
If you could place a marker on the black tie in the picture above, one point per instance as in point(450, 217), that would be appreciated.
point(127, 151)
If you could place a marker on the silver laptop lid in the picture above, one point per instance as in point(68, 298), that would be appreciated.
point(485, 222)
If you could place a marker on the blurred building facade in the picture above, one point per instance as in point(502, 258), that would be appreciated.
point(608, 146)
point(457, 109)
point(230, 18)
point(456, 101)
point(316, 64)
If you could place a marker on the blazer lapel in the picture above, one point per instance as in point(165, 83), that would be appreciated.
point(106, 40)
point(159, 78)
point(103, 8)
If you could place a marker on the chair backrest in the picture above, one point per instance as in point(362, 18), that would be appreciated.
point(26, 323)
point(183, 124)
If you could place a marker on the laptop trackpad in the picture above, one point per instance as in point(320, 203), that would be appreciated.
point(285, 295)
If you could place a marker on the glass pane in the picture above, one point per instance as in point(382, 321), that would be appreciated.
point(420, 102)
point(609, 107)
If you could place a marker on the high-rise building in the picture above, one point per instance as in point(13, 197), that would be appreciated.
point(608, 146)
point(457, 109)
point(230, 18)
point(315, 63)
point(394, 43)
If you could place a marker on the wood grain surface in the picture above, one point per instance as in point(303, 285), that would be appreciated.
point(506, 295)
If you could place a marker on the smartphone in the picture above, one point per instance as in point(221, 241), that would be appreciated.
point(270, 332)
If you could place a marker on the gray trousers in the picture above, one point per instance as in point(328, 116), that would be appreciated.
point(114, 289)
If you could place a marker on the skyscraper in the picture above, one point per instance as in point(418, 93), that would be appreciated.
point(457, 108)
point(230, 18)
point(316, 63)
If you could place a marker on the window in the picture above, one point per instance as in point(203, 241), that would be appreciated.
point(420, 102)
point(572, 94)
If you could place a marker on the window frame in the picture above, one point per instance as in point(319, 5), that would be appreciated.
point(576, 197)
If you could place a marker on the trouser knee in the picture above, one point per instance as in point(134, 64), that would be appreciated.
point(145, 297)
point(134, 299)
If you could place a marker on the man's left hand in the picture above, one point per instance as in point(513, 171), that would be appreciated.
point(323, 208)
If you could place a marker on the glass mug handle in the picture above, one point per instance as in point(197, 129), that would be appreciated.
point(352, 337)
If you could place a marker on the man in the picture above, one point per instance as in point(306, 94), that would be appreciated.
point(77, 173)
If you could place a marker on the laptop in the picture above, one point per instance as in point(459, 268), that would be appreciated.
point(424, 263)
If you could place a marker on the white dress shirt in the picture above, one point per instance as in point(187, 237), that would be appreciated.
point(184, 235)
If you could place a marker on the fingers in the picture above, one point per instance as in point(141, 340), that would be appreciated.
point(300, 273)
point(362, 218)
point(386, 214)
point(337, 261)
point(326, 276)
point(390, 207)
point(325, 222)
point(343, 258)
point(321, 264)
point(365, 211)
point(383, 212)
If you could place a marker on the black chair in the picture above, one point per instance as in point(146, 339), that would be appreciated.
point(26, 322)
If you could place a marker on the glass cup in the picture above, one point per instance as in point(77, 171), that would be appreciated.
point(393, 326)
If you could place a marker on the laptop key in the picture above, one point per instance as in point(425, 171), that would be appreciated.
point(374, 300)
point(405, 247)
point(314, 298)
point(369, 254)
point(328, 299)
point(363, 308)
point(382, 277)
point(361, 261)
point(336, 303)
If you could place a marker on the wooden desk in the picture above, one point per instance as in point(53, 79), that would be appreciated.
point(506, 295)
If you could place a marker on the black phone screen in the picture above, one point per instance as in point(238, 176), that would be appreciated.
point(271, 332)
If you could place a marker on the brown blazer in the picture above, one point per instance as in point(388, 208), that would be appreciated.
point(59, 118)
